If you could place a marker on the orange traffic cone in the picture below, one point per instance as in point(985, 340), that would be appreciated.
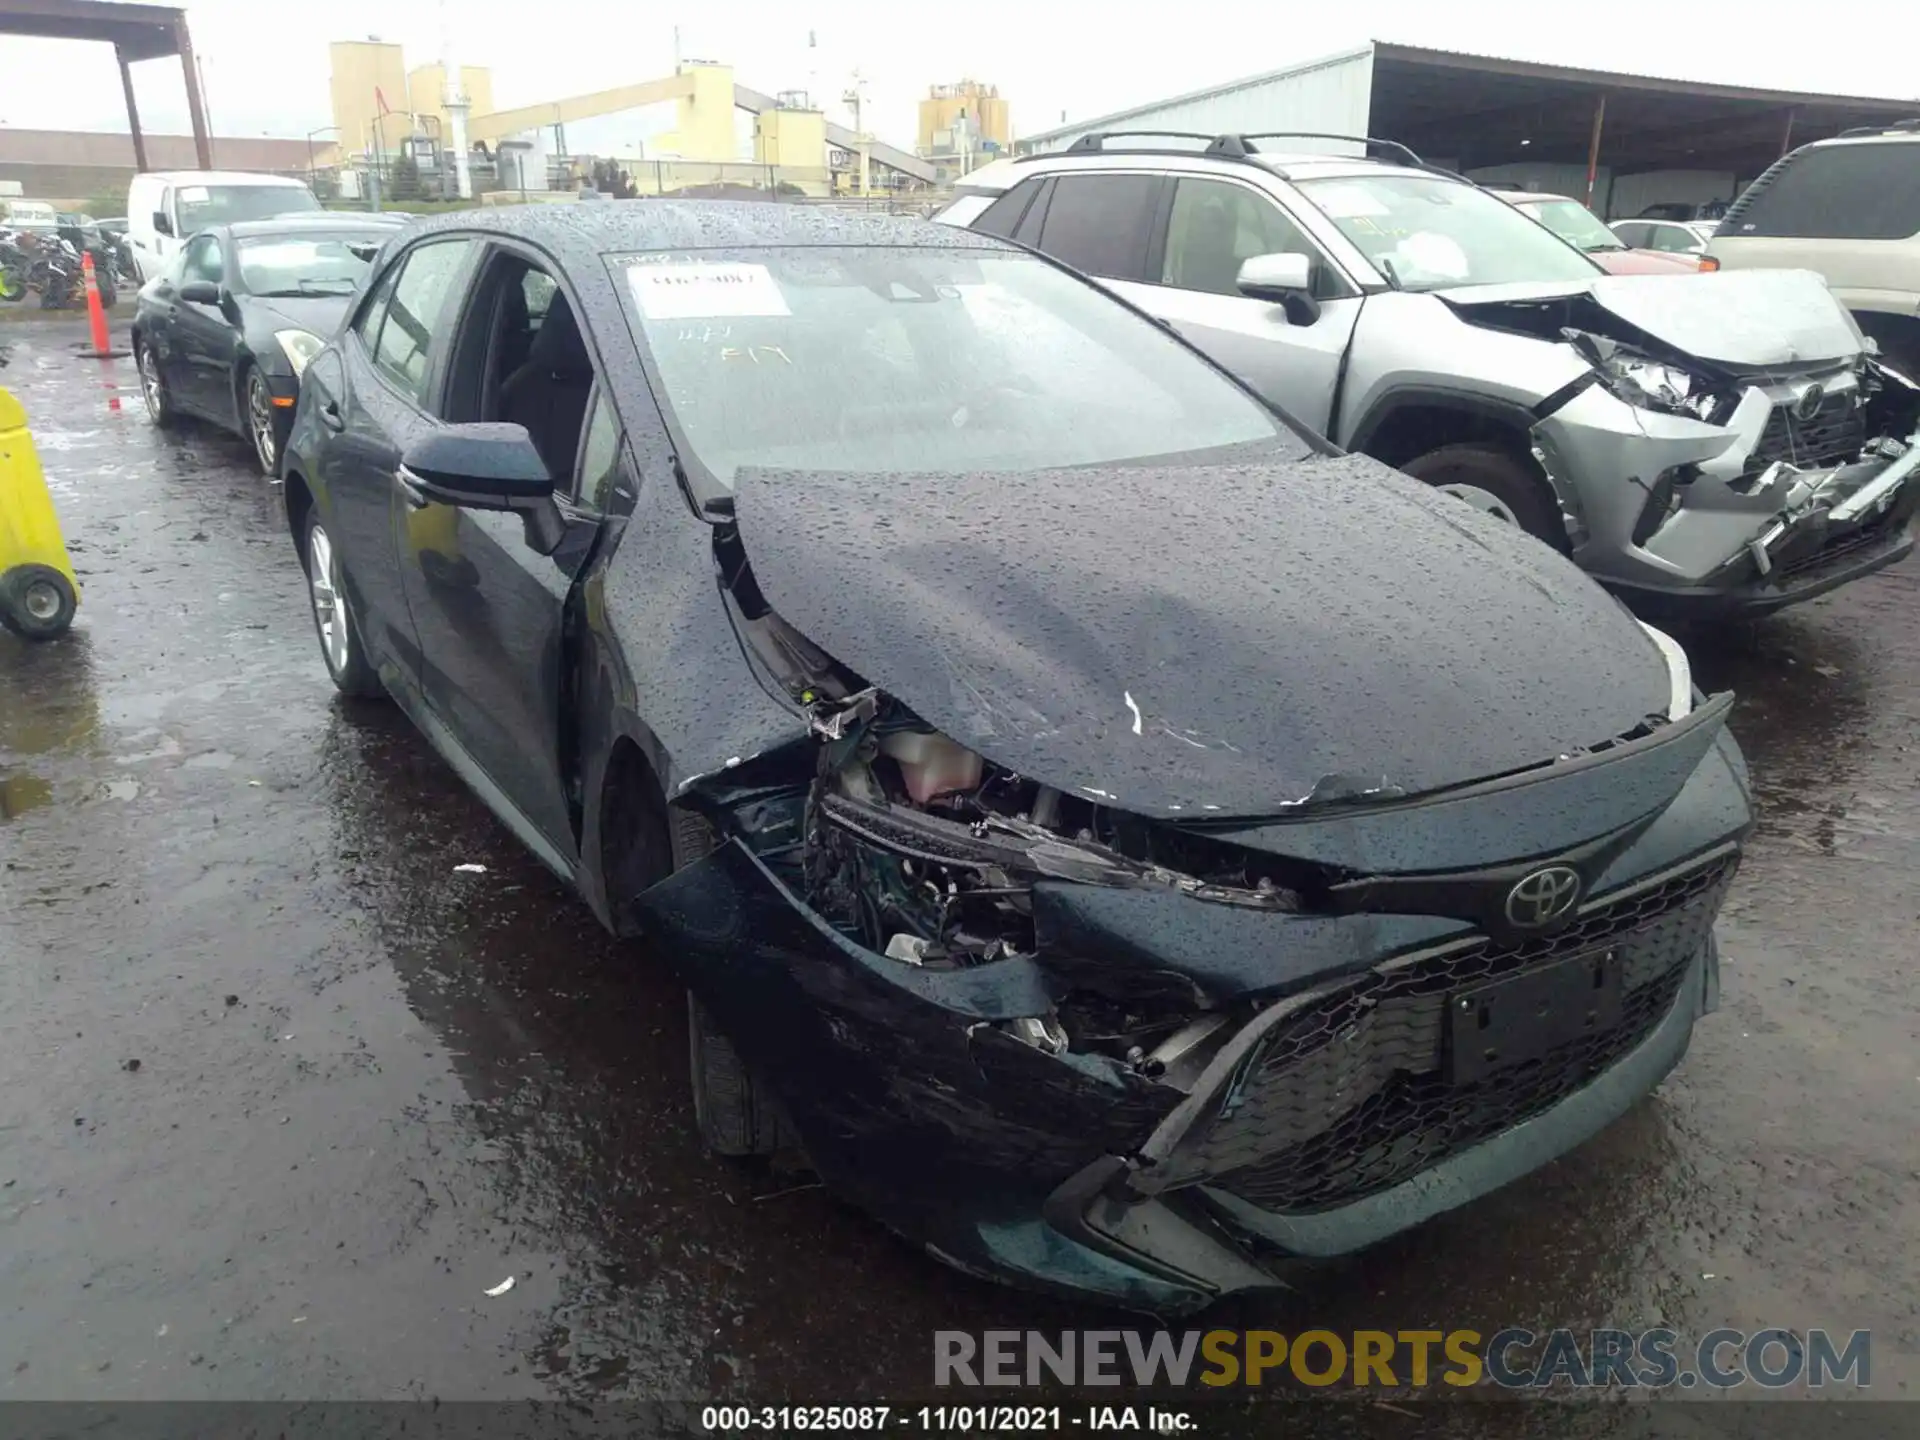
point(97, 313)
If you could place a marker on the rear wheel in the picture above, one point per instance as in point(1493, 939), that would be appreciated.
point(37, 602)
point(1493, 481)
point(333, 620)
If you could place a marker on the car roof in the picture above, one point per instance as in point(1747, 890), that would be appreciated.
point(219, 177)
point(1906, 132)
point(574, 231)
point(1002, 175)
point(305, 220)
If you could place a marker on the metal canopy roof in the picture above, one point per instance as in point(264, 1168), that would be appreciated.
point(140, 32)
point(1476, 110)
point(136, 32)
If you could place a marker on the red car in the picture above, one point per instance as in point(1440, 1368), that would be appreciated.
point(1581, 228)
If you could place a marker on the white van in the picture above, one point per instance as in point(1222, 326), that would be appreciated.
point(165, 207)
point(28, 215)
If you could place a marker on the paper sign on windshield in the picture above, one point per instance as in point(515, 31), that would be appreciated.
point(705, 290)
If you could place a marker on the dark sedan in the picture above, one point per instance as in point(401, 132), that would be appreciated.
point(224, 332)
point(1118, 841)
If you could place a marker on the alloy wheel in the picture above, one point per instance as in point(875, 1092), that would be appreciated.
point(260, 423)
point(151, 389)
point(329, 603)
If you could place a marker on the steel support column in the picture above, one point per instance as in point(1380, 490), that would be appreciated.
point(196, 105)
point(1593, 144)
point(133, 110)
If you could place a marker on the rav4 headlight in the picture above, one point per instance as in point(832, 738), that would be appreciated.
point(1650, 384)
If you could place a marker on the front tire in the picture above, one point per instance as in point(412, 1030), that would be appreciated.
point(153, 386)
point(333, 621)
point(1495, 482)
point(263, 423)
point(735, 1114)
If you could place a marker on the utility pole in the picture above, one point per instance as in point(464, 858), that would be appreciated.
point(455, 101)
point(853, 101)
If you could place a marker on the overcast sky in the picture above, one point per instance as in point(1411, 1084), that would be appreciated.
point(266, 68)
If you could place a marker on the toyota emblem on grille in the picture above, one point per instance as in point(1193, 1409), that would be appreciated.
point(1810, 401)
point(1543, 897)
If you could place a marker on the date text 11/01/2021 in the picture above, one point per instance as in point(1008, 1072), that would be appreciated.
point(740, 1419)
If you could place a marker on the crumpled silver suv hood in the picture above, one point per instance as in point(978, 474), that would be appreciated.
point(1747, 320)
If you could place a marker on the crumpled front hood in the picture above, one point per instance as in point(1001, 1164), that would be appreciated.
point(1204, 640)
point(1743, 319)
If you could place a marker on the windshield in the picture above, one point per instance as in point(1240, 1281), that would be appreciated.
point(302, 264)
point(923, 360)
point(202, 205)
point(1573, 223)
point(1423, 232)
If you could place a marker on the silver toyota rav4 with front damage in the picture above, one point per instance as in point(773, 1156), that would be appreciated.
point(1701, 444)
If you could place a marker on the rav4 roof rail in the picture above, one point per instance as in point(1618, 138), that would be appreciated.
point(1240, 144)
point(1887, 129)
point(1097, 140)
point(1233, 146)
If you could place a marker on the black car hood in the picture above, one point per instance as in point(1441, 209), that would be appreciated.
point(1200, 641)
point(316, 314)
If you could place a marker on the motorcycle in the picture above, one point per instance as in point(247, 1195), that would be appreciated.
point(52, 270)
point(89, 239)
point(15, 264)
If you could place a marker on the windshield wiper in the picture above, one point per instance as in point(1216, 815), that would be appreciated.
point(1386, 269)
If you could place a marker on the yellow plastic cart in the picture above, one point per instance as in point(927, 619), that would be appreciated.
point(38, 592)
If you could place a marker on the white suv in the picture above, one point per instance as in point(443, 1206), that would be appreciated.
point(1699, 443)
point(1850, 209)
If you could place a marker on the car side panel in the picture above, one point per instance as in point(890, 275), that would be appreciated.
point(1875, 275)
point(360, 469)
point(1402, 339)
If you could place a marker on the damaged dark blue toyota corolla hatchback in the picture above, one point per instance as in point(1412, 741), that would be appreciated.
point(1121, 842)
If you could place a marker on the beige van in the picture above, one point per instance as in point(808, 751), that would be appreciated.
point(1850, 209)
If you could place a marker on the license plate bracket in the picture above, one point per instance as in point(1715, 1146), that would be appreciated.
point(1507, 1022)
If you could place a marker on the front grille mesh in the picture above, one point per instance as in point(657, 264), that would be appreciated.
point(1348, 1097)
point(1834, 436)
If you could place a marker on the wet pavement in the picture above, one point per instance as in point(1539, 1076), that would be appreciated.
point(283, 1094)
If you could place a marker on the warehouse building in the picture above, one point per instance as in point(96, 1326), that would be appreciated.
point(1623, 143)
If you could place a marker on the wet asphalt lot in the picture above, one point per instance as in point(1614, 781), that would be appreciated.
point(369, 1087)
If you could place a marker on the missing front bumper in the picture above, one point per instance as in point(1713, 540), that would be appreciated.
point(1672, 514)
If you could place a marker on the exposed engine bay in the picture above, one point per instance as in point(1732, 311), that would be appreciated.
point(919, 849)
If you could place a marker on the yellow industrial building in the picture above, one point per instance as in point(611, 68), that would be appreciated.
point(378, 103)
point(963, 125)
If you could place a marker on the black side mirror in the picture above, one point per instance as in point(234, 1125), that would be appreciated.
point(161, 224)
point(200, 292)
point(485, 467)
point(1286, 278)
